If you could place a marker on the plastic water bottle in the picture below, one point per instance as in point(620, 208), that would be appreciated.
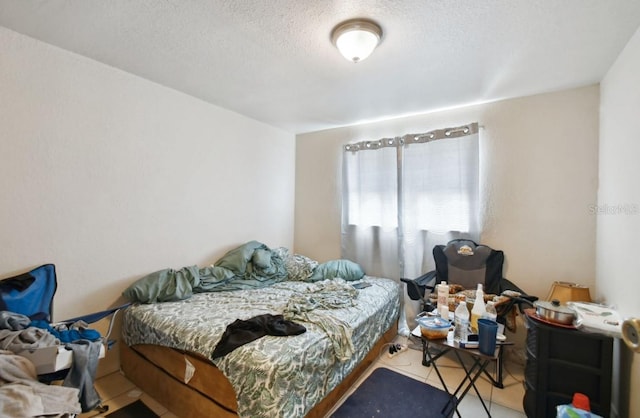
point(491, 312)
point(478, 309)
point(443, 300)
point(461, 321)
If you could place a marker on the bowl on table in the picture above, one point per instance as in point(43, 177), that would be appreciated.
point(434, 328)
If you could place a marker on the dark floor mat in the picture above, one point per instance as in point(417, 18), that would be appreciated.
point(386, 393)
point(134, 410)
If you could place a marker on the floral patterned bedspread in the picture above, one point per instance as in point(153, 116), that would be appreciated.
point(272, 376)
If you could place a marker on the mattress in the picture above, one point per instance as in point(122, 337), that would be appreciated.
point(272, 376)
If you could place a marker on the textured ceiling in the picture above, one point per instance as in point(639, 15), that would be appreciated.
point(272, 60)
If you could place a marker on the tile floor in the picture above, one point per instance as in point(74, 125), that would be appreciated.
point(116, 391)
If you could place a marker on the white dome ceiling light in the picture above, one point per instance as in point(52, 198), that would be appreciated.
point(357, 38)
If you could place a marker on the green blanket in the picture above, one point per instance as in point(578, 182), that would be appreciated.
point(252, 265)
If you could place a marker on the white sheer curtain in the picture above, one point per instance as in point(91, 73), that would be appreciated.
point(404, 195)
point(370, 211)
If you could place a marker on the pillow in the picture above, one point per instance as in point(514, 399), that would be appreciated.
point(300, 267)
point(345, 269)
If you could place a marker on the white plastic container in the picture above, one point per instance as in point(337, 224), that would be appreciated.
point(478, 310)
point(461, 322)
point(443, 300)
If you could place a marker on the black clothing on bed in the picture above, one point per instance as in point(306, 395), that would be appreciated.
point(241, 332)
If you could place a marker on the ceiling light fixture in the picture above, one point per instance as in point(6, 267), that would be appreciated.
point(357, 38)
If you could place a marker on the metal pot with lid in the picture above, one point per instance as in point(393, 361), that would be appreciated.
point(555, 312)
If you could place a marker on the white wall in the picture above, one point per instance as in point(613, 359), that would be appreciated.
point(539, 166)
point(618, 222)
point(110, 176)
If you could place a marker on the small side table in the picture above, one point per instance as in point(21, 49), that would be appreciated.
point(479, 365)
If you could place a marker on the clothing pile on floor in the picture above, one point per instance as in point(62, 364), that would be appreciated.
point(22, 395)
point(20, 389)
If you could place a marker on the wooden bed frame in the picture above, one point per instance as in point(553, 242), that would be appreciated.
point(160, 372)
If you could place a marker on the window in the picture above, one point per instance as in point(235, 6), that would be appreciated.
point(404, 195)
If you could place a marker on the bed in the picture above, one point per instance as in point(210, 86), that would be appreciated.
point(167, 348)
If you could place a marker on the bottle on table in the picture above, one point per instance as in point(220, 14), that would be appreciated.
point(443, 300)
point(461, 321)
point(478, 309)
point(491, 312)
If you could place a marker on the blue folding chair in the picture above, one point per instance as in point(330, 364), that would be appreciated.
point(31, 294)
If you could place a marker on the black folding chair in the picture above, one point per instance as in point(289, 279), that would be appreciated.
point(467, 263)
